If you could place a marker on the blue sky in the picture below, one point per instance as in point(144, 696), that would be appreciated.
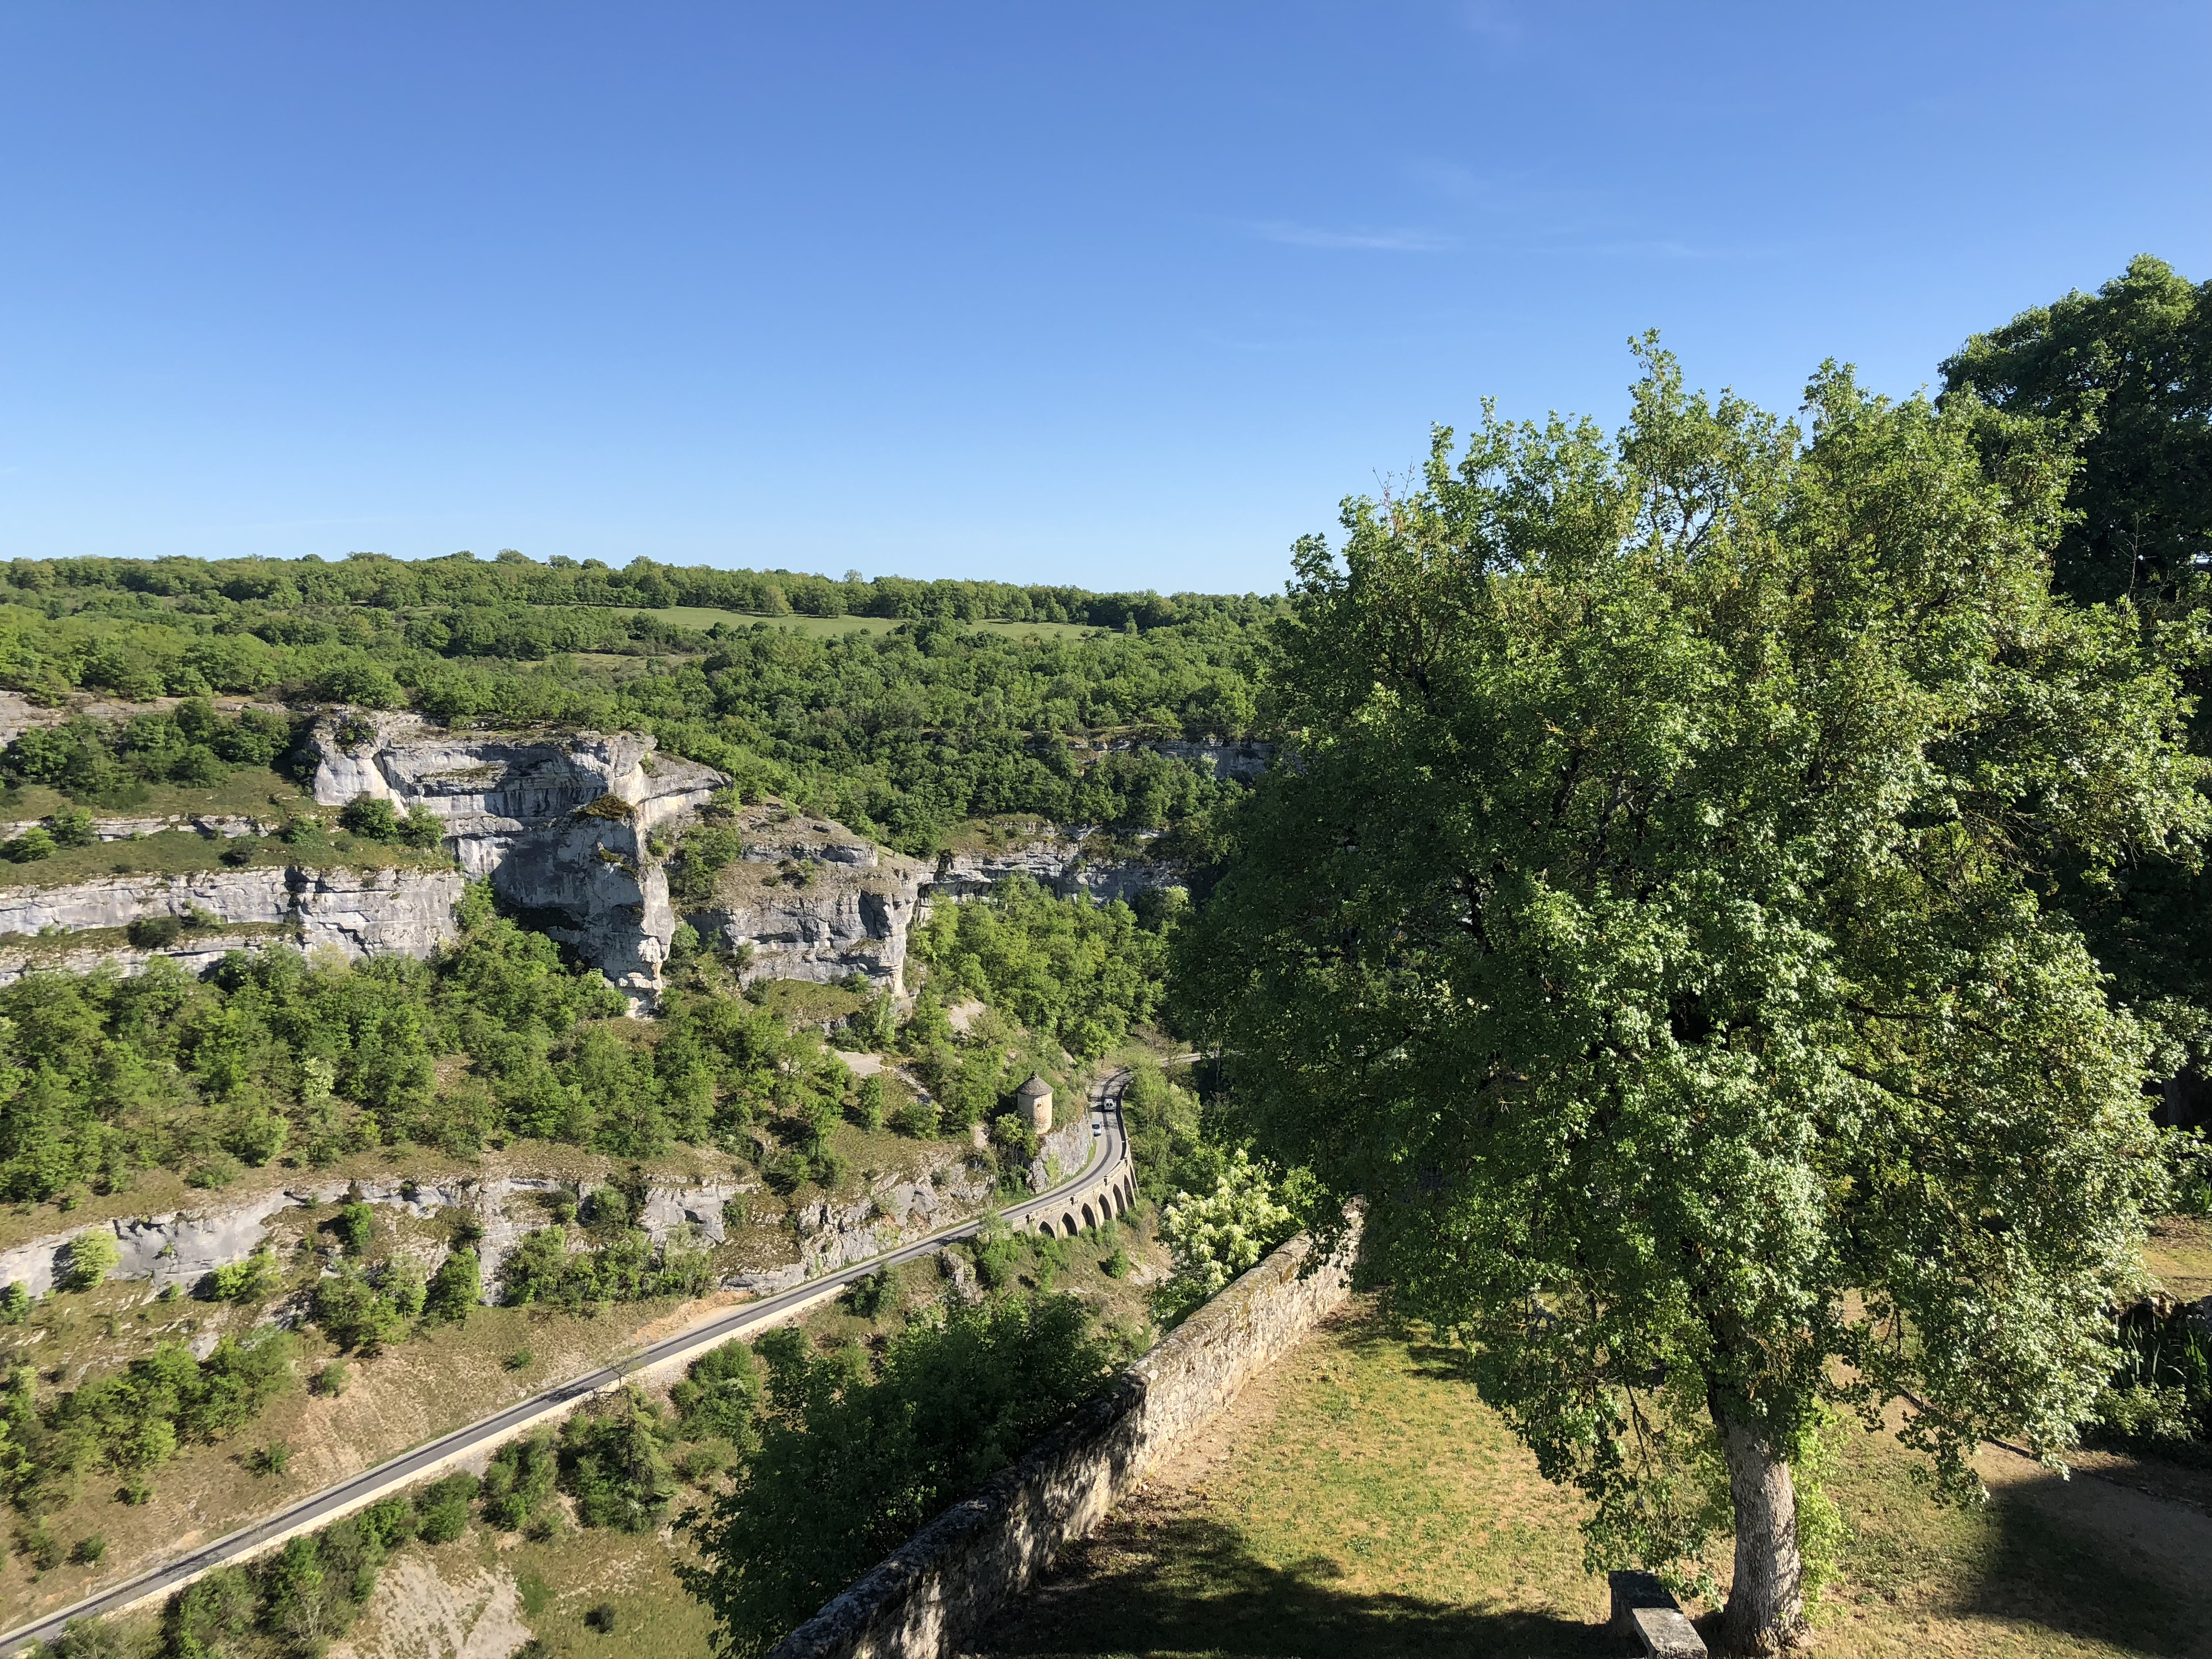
point(1125, 294)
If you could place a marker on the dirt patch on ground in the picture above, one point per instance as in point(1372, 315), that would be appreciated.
point(417, 1613)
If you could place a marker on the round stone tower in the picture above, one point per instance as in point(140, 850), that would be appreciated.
point(1035, 1097)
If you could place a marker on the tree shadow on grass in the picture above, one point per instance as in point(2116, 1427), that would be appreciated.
point(2046, 1567)
point(1190, 1586)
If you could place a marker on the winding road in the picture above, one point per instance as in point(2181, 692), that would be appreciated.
point(1103, 1186)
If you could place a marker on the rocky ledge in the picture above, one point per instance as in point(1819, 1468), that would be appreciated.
point(810, 900)
point(356, 913)
point(561, 823)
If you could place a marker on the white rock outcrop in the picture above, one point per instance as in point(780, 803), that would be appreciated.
point(561, 823)
point(810, 900)
point(355, 912)
point(182, 1247)
point(1055, 857)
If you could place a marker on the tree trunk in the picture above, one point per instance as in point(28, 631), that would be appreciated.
point(1766, 1611)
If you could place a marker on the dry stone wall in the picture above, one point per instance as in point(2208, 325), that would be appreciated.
point(947, 1581)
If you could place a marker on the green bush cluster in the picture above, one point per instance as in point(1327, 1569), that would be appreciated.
point(70, 827)
point(614, 1462)
point(520, 1480)
point(308, 1592)
point(853, 1457)
point(542, 1269)
point(102, 761)
point(132, 1420)
point(101, 1075)
point(1165, 1139)
point(372, 819)
point(362, 1311)
point(1081, 972)
point(2158, 1398)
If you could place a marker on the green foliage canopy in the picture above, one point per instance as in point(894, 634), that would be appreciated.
point(1084, 973)
point(2126, 375)
point(101, 1074)
point(1651, 930)
point(849, 1463)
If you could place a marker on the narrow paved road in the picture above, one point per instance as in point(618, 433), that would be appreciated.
point(1109, 1142)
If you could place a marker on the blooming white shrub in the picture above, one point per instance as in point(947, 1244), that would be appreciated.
point(1216, 1235)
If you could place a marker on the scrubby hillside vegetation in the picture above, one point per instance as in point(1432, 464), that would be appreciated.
point(1736, 911)
point(899, 707)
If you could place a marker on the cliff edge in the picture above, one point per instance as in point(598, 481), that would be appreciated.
point(561, 823)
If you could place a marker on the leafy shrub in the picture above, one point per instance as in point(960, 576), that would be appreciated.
point(355, 1227)
point(519, 1480)
point(997, 1254)
point(2159, 1399)
point(360, 1315)
point(1215, 1236)
point(155, 932)
point(209, 1614)
point(542, 1268)
point(455, 1288)
point(701, 856)
point(38, 1547)
point(614, 1463)
point(371, 818)
point(250, 1281)
point(718, 1396)
point(868, 1101)
point(28, 848)
point(89, 1551)
point(867, 1296)
point(441, 1509)
point(608, 1207)
point(332, 1379)
point(93, 1255)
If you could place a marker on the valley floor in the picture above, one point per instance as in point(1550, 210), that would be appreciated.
point(1359, 1500)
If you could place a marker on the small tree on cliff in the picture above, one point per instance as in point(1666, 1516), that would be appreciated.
point(1650, 930)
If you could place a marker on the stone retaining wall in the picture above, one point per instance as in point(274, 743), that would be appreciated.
point(947, 1581)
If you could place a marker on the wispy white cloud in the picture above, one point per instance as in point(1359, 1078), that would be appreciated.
point(1291, 234)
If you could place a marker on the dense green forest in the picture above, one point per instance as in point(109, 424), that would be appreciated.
point(899, 731)
point(271, 1054)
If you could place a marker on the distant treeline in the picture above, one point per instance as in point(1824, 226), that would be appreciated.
point(388, 583)
point(897, 733)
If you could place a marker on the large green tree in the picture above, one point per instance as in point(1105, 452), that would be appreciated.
point(2123, 378)
point(1649, 927)
point(2126, 374)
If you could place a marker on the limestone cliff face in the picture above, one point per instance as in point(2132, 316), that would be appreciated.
point(1056, 860)
point(810, 900)
point(357, 913)
point(561, 823)
point(182, 1248)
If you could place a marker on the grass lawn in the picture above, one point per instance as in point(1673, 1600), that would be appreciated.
point(1360, 1500)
